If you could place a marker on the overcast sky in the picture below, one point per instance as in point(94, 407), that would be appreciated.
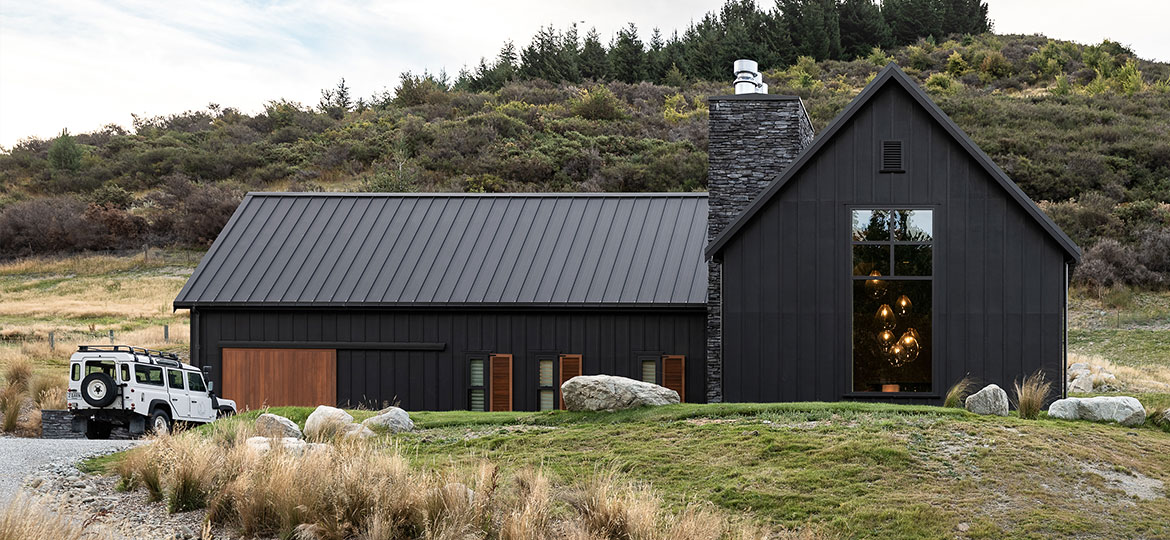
point(81, 64)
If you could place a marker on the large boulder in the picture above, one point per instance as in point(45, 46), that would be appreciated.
point(391, 419)
point(610, 393)
point(1124, 410)
point(327, 422)
point(990, 400)
point(273, 425)
point(1064, 409)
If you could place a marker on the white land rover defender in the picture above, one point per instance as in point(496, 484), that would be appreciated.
point(118, 385)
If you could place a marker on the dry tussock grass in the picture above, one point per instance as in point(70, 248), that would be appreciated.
point(957, 394)
point(79, 265)
point(1149, 378)
point(1030, 395)
point(82, 297)
point(362, 489)
point(24, 519)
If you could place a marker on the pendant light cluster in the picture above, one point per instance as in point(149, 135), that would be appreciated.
point(901, 350)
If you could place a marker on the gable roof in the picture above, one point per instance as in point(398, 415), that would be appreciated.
point(892, 74)
point(362, 249)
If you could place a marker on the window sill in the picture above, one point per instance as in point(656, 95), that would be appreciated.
point(925, 395)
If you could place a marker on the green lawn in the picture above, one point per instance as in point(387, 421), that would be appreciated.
point(853, 469)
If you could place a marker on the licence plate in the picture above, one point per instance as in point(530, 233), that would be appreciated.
point(73, 394)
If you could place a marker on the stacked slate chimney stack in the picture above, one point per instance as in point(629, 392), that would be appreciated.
point(752, 137)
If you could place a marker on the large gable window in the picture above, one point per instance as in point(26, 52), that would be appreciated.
point(892, 299)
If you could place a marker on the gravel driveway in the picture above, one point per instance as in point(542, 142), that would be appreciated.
point(21, 457)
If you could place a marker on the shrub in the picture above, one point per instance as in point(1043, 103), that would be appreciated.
point(957, 394)
point(941, 83)
point(878, 57)
point(46, 225)
point(597, 103)
point(1030, 395)
point(956, 65)
point(1110, 263)
point(995, 66)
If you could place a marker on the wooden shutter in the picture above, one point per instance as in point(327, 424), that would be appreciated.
point(570, 367)
point(674, 374)
point(501, 382)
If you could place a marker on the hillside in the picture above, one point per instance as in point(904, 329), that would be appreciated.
point(1082, 127)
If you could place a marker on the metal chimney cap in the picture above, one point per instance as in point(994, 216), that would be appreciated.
point(746, 65)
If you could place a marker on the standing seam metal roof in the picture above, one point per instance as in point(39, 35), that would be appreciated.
point(353, 249)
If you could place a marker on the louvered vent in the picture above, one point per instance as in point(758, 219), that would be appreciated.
point(892, 157)
point(674, 375)
point(501, 382)
point(570, 367)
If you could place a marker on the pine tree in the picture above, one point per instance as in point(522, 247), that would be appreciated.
point(656, 65)
point(702, 50)
point(65, 154)
point(628, 56)
point(912, 19)
point(593, 62)
point(813, 27)
point(862, 28)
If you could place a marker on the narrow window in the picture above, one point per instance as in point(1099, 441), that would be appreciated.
point(892, 300)
point(75, 372)
point(571, 366)
point(650, 371)
point(547, 393)
point(476, 399)
point(124, 372)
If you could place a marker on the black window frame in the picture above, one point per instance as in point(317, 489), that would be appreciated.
point(202, 383)
point(146, 368)
point(935, 391)
point(484, 358)
point(182, 379)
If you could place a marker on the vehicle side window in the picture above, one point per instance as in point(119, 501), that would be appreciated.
point(195, 382)
point(175, 378)
point(75, 372)
point(148, 375)
point(124, 372)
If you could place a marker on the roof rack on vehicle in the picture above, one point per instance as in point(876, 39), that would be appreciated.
point(155, 356)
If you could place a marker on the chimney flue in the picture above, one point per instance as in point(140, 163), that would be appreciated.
point(748, 79)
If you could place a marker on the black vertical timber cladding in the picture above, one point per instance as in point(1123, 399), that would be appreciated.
point(608, 340)
point(998, 277)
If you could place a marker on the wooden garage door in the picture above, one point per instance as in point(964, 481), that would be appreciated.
point(256, 378)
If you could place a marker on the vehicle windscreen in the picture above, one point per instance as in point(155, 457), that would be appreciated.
point(195, 382)
point(148, 375)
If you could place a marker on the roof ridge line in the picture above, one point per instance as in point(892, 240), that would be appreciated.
point(607, 194)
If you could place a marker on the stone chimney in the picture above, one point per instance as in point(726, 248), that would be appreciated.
point(752, 137)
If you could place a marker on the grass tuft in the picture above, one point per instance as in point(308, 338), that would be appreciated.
point(18, 372)
point(25, 519)
point(1031, 394)
point(958, 393)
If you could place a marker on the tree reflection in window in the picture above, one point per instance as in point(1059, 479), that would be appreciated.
point(892, 299)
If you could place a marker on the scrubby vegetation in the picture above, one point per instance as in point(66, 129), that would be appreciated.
point(1080, 127)
point(795, 470)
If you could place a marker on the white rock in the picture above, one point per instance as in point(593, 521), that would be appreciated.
point(357, 431)
point(1064, 409)
point(264, 444)
point(1078, 366)
point(990, 400)
point(610, 393)
point(1124, 410)
point(1082, 384)
point(392, 419)
point(272, 425)
point(326, 422)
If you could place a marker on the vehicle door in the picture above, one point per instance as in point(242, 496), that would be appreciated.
point(148, 386)
point(180, 398)
point(200, 400)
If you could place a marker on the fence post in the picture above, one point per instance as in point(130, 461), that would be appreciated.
point(167, 333)
point(52, 342)
point(111, 337)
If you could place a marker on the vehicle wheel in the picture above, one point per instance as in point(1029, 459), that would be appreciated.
point(224, 412)
point(160, 422)
point(98, 390)
point(95, 429)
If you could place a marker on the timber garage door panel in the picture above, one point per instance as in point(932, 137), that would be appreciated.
point(256, 378)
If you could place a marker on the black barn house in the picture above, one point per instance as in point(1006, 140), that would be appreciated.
point(884, 259)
